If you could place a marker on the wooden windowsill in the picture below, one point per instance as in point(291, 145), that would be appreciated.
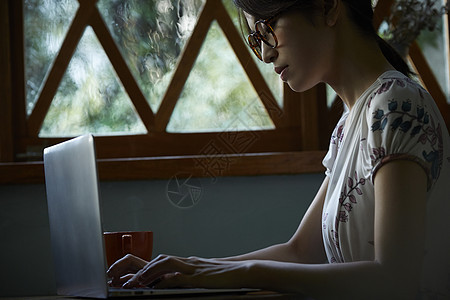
point(249, 164)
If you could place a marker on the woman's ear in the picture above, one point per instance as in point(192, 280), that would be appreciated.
point(331, 11)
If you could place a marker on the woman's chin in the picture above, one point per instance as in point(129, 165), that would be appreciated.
point(299, 87)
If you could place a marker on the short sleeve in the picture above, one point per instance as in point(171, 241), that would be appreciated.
point(403, 124)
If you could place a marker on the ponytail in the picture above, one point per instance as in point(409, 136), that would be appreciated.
point(361, 12)
point(393, 57)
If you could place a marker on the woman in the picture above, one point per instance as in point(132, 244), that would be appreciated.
point(377, 227)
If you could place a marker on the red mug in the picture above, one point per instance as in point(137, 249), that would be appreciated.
point(119, 244)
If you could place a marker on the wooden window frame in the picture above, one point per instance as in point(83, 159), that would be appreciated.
point(296, 145)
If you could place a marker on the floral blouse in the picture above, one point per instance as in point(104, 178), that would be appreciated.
point(394, 119)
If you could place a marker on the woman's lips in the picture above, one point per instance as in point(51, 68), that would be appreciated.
point(283, 75)
point(282, 72)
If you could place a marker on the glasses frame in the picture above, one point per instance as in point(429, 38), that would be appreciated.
point(257, 36)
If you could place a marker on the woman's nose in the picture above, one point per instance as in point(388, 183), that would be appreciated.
point(268, 53)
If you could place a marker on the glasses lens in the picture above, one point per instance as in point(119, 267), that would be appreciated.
point(266, 33)
point(254, 40)
point(255, 44)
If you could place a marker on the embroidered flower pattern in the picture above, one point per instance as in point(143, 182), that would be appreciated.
point(337, 139)
point(433, 136)
point(415, 122)
point(385, 87)
point(347, 200)
point(404, 119)
point(378, 153)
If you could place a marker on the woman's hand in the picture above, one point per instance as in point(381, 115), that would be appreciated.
point(169, 271)
point(124, 269)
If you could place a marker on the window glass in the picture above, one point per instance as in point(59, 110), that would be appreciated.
point(331, 96)
point(218, 95)
point(90, 97)
point(46, 24)
point(151, 36)
point(433, 45)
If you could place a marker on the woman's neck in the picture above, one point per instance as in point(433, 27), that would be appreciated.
point(358, 62)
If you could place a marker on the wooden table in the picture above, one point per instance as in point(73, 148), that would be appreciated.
point(249, 296)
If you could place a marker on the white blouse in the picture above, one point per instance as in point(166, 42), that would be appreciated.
point(394, 119)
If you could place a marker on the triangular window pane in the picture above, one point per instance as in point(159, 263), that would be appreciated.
point(218, 95)
point(90, 98)
point(45, 26)
point(151, 36)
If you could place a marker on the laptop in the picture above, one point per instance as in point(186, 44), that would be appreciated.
point(76, 226)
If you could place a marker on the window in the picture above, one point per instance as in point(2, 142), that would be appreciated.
point(165, 86)
point(155, 82)
point(152, 80)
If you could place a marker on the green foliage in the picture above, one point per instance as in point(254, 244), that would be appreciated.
point(46, 23)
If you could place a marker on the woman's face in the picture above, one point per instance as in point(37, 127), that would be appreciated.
point(302, 55)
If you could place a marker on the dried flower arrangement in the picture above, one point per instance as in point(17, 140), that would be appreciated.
point(409, 17)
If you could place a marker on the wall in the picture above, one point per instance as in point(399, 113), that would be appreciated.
point(233, 215)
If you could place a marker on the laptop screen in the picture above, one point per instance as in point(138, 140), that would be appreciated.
point(74, 216)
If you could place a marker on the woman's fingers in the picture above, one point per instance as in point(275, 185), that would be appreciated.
point(118, 282)
point(129, 264)
point(170, 271)
point(160, 268)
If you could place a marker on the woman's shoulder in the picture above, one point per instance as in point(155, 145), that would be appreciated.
point(395, 93)
point(393, 88)
point(402, 118)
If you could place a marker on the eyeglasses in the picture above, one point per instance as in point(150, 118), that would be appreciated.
point(263, 33)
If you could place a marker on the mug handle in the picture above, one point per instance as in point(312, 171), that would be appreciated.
point(127, 244)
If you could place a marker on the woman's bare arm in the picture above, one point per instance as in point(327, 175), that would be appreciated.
point(400, 205)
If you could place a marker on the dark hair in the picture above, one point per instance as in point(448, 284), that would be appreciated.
point(361, 13)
